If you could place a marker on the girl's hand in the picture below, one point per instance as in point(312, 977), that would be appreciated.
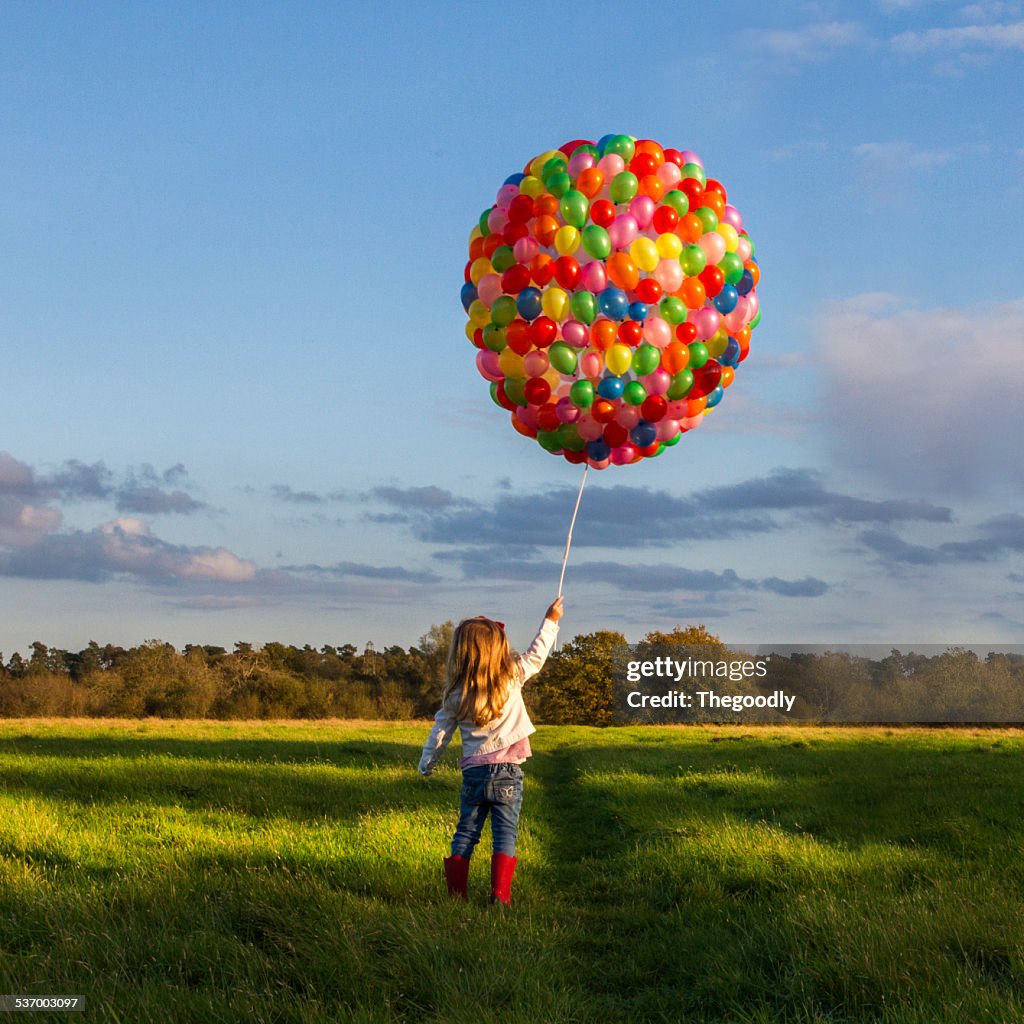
point(554, 613)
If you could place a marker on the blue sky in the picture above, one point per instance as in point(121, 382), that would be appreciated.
point(238, 399)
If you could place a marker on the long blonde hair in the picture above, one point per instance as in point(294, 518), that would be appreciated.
point(480, 670)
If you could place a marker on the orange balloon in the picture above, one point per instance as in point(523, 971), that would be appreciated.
point(689, 228)
point(542, 269)
point(728, 376)
point(647, 146)
point(545, 203)
point(545, 227)
point(590, 182)
point(755, 270)
point(696, 405)
point(651, 185)
point(492, 243)
point(476, 248)
point(623, 271)
point(692, 292)
point(522, 427)
point(743, 337)
point(714, 201)
point(602, 334)
point(675, 357)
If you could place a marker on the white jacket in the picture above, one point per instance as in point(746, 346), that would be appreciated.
point(511, 725)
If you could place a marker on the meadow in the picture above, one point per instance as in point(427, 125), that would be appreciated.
point(192, 871)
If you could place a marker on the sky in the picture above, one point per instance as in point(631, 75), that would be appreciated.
point(238, 402)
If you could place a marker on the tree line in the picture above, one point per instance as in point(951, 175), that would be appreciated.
point(575, 687)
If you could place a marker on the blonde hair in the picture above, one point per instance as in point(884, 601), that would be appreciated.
point(480, 670)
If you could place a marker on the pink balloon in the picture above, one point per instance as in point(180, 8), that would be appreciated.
point(642, 208)
point(563, 389)
point(706, 321)
point(735, 320)
point(594, 277)
point(536, 363)
point(575, 333)
point(610, 165)
point(496, 220)
point(669, 274)
point(624, 454)
point(667, 429)
point(628, 416)
point(589, 429)
point(590, 365)
point(732, 216)
point(752, 303)
point(669, 175)
point(489, 289)
point(689, 157)
point(657, 331)
point(487, 364)
point(505, 196)
point(566, 411)
point(528, 414)
point(657, 383)
point(578, 162)
point(713, 245)
point(743, 249)
point(691, 422)
point(526, 248)
point(622, 230)
point(595, 464)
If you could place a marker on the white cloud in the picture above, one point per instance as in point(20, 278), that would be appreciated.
point(928, 399)
point(805, 45)
point(1008, 36)
point(884, 159)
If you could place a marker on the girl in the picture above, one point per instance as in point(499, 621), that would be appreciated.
point(483, 696)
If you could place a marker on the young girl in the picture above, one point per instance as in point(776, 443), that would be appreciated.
point(483, 696)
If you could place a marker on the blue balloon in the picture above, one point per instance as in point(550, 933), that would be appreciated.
point(746, 283)
point(639, 311)
point(731, 355)
point(603, 141)
point(611, 387)
point(614, 303)
point(725, 301)
point(528, 303)
point(598, 450)
point(644, 434)
point(468, 295)
point(715, 397)
point(514, 179)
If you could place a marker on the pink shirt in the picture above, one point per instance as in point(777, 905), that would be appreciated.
point(515, 754)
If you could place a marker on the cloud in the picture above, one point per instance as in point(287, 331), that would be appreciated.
point(342, 570)
point(924, 400)
point(809, 44)
point(419, 497)
point(891, 159)
point(282, 492)
point(1007, 36)
point(997, 537)
point(154, 501)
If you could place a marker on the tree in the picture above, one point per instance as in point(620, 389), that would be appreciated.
point(575, 686)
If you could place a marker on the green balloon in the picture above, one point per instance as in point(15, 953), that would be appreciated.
point(569, 437)
point(732, 267)
point(679, 201)
point(692, 260)
point(624, 186)
point(646, 359)
point(548, 440)
point(672, 440)
point(756, 320)
point(503, 258)
point(484, 229)
point(494, 337)
point(562, 357)
point(494, 395)
point(556, 165)
point(596, 242)
point(622, 145)
point(584, 306)
point(514, 390)
point(695, 171)
point(581, 393)
point(503, 312)
point(558, 184)
point(588, 147)
point(574, 207)
point(634, 393)
point(698, 354)
point(672, 309)
point(679, 388)
point(707, 217)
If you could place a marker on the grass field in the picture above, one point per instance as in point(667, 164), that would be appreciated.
point(197, 871)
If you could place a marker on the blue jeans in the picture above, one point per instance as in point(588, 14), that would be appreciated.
point(497, 788)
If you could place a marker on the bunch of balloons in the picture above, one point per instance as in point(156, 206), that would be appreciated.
point(611, 292)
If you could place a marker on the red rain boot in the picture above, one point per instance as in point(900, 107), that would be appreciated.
point(456, 872)
point(503, 867)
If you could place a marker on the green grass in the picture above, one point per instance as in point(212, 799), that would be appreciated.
point(278, 872)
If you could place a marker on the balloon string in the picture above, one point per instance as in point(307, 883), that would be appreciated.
point(568, 540)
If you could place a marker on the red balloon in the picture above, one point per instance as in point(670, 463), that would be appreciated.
point(653, 408)
point(712, 185)
point(537, 390)
point(478, 338)
point(542, 331)
point(503, 400)
point(693, 189)
point(567, 272)
point(569, 148)
point(686, 332)
point(673, 156)
point(602, 212)
point(603, 410)
point(513, 232)
point(649, 291)
point(665, 220)
point(713, 280)
point(518, 338)
point(643, 164)
point(520, 210)
point(547, 418)
point(515, 279)
point(615, 434)
point(631, 333)
point(576, 458)
point(705, 380)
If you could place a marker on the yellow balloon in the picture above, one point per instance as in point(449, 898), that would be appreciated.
point(479, 269)
point(553, 377)
point(717, 343)
point(669, 245)
point(531, 186)
point(567, 240)
point(728, 232)
point(644, 253)
point(479, 313)
point(618, 358)
point(538, 162)
point(475, 234)
point(511, 363)
point(470, 329)
point(555, 304)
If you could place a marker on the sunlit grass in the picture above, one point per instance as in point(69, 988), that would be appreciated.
point(174, 871)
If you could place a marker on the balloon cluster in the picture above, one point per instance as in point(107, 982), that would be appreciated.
point(611, 292)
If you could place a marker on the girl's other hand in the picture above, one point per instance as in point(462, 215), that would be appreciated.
point(554, 613)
